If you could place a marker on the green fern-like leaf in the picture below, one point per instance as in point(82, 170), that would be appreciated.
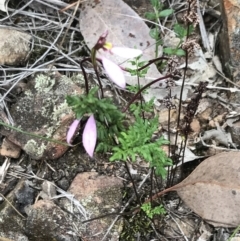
point(137, 141)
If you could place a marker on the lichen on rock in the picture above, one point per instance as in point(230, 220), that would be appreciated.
point(44, 83)
point(43, 110)
point(33, 148)
point(61, 110)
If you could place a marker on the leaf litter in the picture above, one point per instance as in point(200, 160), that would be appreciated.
point(214, 179)
point(212, 190)
point(98, 17)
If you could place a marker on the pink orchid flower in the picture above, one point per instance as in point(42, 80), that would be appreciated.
point(89, 134)
point(115, 72)
point(72, 131)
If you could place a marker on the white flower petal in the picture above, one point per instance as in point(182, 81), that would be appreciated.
point(90, 136)
point(126, 52)
point(72, 130)
point(114, 72)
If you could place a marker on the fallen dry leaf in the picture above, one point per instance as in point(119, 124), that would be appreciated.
point(212, 190)
point(3, 5)
point(195, 126)
point(203, 70)
point(126, 28)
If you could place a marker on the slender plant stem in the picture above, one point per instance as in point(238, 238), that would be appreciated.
point(234, 233)
point(85, 74)
point(134, 186)
point(98, 78)
point(150, 62)
point(12, 206)
point(33, 135)
point(151, 185)
point(143, 88)
point(181, 92)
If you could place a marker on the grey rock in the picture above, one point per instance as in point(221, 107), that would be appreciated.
point(14, 46)
point(48, 190)
point(46, 221)
point(235, 132)
point(11, 220)
point(42, 110)
point(99, 195)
